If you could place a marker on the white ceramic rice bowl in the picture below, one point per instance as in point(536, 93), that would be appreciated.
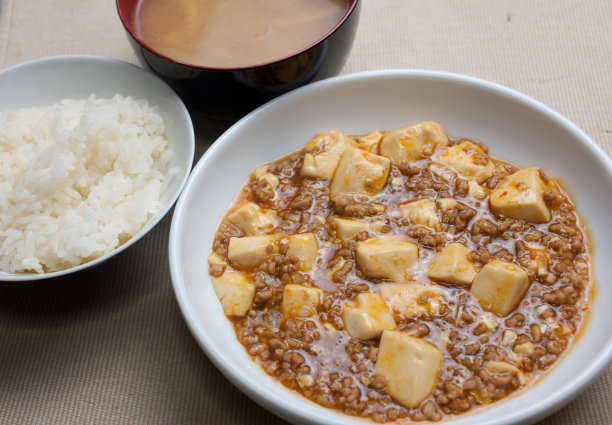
point(515, 127)
point(42, 82)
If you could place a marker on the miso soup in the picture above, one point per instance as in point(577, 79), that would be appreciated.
point(235, 33)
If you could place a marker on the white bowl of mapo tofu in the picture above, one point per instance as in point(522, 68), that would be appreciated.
point(404, 273)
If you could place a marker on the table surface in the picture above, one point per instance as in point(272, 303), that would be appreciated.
point(111, 346)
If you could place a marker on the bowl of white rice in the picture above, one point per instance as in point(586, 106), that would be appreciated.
point(93, 153)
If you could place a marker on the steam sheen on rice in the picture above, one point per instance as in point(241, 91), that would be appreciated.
point(77, 179)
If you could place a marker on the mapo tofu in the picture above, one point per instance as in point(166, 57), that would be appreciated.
point(402, 274)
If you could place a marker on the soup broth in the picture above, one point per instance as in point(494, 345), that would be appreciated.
point(234, 33)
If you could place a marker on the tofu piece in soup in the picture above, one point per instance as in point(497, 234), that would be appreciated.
point(422, 212)
point(250, 251)
point(235, 292)
point(500, 286)
point(347, 229)
point(407, 143)
point(411, 299)
point(304, 247)
point(386, 257)
point(468, 160)
point(368, 317)
point(521, 196)
point(300, 300)
point(360, 173)
point(323, 154)
point(452, 266)
point(411, 366)
point(370, 142)
point(251, 219)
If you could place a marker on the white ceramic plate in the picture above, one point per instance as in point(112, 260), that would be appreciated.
point(42, 82)
point(514, 126)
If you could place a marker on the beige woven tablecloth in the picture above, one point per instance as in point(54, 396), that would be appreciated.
point(110, 345)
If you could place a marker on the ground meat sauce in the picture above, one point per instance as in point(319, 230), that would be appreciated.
point(326, 342)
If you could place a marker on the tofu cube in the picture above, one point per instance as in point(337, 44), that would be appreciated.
point(468, 160)
point(360, 172)
point(386, 257)
point(347, 229)
point(452, 266)
point(300, 300)
point(235, 293)
point(500, 286)
point(411, 365)
point(412, 299)
point(250, 251)
point(251, 219)
point(407, 143)
point(304, 246)
point(520, 196)
point(422, 212)
point(368, 318)
point(323, 154)
point(370, 142)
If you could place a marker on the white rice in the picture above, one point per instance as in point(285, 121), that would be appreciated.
point(77, 179)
